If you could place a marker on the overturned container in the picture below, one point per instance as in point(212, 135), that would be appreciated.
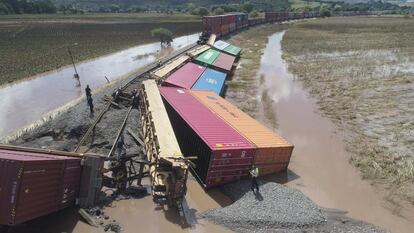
point(186, 76)
point(36, 184)
point(272, 151)
point(211, 80)
point(223, 155)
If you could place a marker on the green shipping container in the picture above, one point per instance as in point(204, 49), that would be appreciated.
point(233, 50)
point(208, 57)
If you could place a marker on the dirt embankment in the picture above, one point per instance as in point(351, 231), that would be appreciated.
point(360, 71)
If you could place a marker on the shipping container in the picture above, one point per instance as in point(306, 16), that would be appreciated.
point(221, 45)
point(224, 62)
point(208, 57)
point(223, 155)
point(232, 27)
point(272, 151)
point(163, 71)
point(232, 50)
point(186, 76)
point(225, 29)
point(36, 184)
point(211, 80)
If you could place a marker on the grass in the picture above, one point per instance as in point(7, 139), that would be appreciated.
point(360, 70)
point(29, 47)
point(244, 87)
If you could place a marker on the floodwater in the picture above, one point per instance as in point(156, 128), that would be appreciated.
point(27, 101)
point(320, 163)
point(139, 215)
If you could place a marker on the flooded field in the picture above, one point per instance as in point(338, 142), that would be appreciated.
point(320, 163)
point(360, 71)
point(33, 44)
point(29, 100)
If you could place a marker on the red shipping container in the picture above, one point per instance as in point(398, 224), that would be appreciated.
point(186, 76)
point(224, 62)
point(36, 184)
point(223, 154)
point(225, 29)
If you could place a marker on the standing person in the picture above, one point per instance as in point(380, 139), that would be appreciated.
point(90, 103)
point(120, 146)
point(88, 91)
point(254, 172)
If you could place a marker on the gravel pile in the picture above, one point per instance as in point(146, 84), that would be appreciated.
point(275, 207)
point(280, 209)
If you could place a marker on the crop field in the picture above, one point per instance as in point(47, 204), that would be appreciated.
point(30, 46)
point(361, 71)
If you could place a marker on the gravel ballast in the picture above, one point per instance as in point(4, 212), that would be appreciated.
point(278, 208)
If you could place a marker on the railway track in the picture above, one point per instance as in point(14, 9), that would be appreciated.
point(116, 112)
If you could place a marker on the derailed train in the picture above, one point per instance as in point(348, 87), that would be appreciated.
point(221, 141)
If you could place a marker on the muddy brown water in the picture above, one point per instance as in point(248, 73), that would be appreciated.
point(320, 164)
point(139, 215)
point(23, 102)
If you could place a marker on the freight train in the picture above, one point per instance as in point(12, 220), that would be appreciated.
point(222, 25)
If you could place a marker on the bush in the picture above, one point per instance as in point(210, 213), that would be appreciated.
point(165, 35)
point(202, 11)
point(219, 11)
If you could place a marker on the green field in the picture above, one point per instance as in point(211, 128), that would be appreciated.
point(361, 69)
point(32, 44)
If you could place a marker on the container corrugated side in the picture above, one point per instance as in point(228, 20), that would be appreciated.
point(223, 155)
point(36, 184)
point(211, 80)
point(224, 62)
point(233, 50)
point(208, 57)
point(273, 151)
point(186, 76)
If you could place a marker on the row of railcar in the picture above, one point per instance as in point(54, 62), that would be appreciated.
point(225, 140)
point(222, 25)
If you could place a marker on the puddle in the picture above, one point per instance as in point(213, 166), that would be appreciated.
point(27, 101)
point(319, 159)
point(139, 215)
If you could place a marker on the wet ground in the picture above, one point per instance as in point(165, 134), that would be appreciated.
point(24, 102)
point(138, 215)
point(320, 164)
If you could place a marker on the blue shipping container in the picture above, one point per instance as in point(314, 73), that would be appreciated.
point(211, 80)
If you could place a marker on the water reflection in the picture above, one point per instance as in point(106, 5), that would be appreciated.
point(25, 102)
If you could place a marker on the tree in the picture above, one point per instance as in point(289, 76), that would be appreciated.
point(325, 12)
point(248, 7)
point(4, 9)
point(219, 11)
point(165, 35)
point(191, 7)
point(202, 11)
